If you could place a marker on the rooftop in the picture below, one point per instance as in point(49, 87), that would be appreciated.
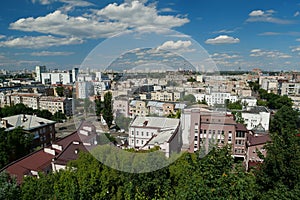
point(28, 122)
point(155, 122)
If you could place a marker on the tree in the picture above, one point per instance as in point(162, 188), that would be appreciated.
point(189, 98)
point(107, 112)
point(282, 164)
point(233, 105)
point(8, 187)
point(44, 114)
point(14, 144)
point(60, 91)
point(122, 122)
point(59, 116)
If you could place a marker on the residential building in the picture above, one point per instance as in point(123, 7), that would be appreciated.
point(290, 89)
point(54, 157)
point(121, 106)
point(148, 132)
point(219, 98)
point(204, 129)
point(255, 116)
point(57, 77)
point(138, 108)
point(249, 101)
point(42, 129)
point(84, 89)
point(56, 104)
point(28, 99)
point(38, 72)
point(255, 146)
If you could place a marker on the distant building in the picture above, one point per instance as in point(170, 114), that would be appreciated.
point(28, 99)
point(38, 72)
point(148, 132)
point(57, 77)
point(84, 89)
point(121, 106)
point(42, 129)
point(249, 101)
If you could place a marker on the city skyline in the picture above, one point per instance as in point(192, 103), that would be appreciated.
point(238, 35)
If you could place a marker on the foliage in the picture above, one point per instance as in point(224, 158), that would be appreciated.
point(274, 101)
point(122, 122)
point(13, 145)
point(59, 117)
point(176, 115)
point(202, 102)
point(189, 98)
point(191, 79)
point(8, 187)
point(238, 117)
point(233, 105)
point(16, 110)
point(60, 91)
point(254, 85)
point(107, 110)
point(280, 170)
point(43, 113)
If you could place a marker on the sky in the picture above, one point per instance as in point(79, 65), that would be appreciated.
point(236, 34)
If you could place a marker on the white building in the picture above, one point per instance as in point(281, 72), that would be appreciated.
point(218, 98)
point(255, 116)
point(290, 88)
point(83, 89)
point(99, 87)
point(249, 101)
point(38, 71)
point(57, 77)
point(148, 132)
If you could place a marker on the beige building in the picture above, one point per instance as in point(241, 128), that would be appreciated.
point(28, 99)
point(56, 104)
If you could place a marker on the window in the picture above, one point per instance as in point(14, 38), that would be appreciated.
point(142, 141)
point(142, 133)
point(147, 133)
point(137, 141)
point(137, 133)
point(132, 132)
point(196, 138)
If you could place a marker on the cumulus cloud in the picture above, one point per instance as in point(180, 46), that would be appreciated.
point(103, 23)
point(137, 15)
point(268, 54)
point(39, 42)
point(58, 23)
point(223, 39)
point(297, 13)
point(51, 53)
point(179, 46)
point(266, 16)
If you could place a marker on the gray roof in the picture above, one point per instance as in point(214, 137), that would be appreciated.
point(28, 122)
point(157, 122)
point(161, 137)
point(257, 109)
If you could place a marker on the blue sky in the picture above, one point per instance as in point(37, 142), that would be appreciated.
point(237, 34)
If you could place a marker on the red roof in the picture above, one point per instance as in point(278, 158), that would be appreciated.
point(258, 139)
point(40, 161)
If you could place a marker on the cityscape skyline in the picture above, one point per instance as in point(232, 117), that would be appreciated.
point(237, 35)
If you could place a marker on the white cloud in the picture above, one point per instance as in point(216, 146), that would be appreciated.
point(103, 23)
point(61, 24)
point(51, 53)
point(266, 16)
point(39, 42)
point(297, 14)
point(178, 45)
point(222, 56)
point(75, 3)
point(139, 16)
point(298, 40)
point(167, 10)
point(223, 39)
point(295, 49)
point(2, 36)
point(256, 13)
point(268, 54)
